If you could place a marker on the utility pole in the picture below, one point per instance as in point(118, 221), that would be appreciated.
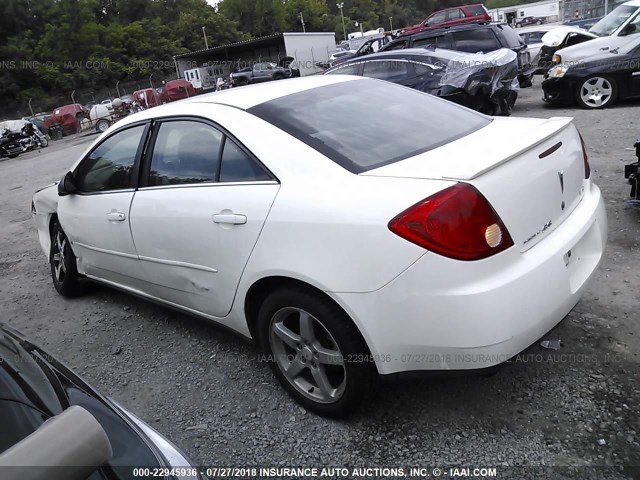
point(302, 21)
point(344, 30)
point(206, 44)
point(391, 23)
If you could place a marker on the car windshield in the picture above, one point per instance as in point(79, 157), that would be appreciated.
point(609, 24)
point(365, 124)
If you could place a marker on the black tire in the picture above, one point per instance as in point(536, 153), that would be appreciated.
point(13, 155)
point(102, 125)
point(278, 77)
point(65, 275)
point(355, 376)
point(43, 142)
point(594, 104)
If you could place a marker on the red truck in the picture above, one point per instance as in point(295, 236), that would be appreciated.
point(147, 97)
point(450, 16)
point(68, 117)
point(177, 90)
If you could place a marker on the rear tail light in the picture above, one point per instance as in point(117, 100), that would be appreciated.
point(457, 222)
point(587, 167)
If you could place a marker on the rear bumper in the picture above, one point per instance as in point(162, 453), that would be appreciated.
point(443, 314)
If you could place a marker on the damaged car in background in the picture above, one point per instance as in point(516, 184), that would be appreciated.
point(616, 29)
point(597, 81)
point(484, 82)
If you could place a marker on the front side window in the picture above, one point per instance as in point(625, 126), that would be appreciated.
point(185, 152)
point(110, 165)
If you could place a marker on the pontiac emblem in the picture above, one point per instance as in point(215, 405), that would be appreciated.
point(561, 178)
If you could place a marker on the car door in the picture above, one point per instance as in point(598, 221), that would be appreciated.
point(198, 214)
point(96, 218)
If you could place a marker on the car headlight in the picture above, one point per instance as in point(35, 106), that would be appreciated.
point(557, 59)
point(558, 71)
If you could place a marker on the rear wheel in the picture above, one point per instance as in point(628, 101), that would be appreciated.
point(64, 271)
point(315, 351)
point(102, 125)
point(599, 91)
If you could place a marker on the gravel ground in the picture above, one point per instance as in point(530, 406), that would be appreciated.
point(205, 389)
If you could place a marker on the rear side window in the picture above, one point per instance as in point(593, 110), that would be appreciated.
point(454, 14)
point(346, 70)
point(185, 152)
point(396, 45)
point(238, 166)
point(437, 18)
point(478, 40)
point(365, 124)
point(476, 10)
point(510, 38)
point(432, 42)
point(389, 70)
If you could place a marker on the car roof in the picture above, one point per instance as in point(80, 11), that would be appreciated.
point(632, 3)
point(434, 32)
point(415, 53)
point(247, 96)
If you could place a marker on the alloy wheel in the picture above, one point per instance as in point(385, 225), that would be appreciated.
point(596, 92)
point(59, 266)
point(307, 355)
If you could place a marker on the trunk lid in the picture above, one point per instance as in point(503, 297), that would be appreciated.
point(530, 170)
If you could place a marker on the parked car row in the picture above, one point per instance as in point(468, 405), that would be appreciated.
point(598, 72)
point(484, 82)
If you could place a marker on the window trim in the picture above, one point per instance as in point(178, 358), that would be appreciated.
point(135, 174)
point(143, 179)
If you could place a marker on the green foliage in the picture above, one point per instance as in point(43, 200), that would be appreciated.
point(50, 48)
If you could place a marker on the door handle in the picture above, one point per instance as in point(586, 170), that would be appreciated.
point(116, 216)
point(230, 218)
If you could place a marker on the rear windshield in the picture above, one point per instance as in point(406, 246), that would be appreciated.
point(365, 124)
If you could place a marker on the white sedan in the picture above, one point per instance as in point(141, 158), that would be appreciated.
point(352, 227)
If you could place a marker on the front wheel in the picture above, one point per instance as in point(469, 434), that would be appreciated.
point(64, 271)
point(595, 92)
point(43, 142)
point(315, 351)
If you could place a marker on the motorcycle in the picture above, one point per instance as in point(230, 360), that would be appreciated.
point(20, 136)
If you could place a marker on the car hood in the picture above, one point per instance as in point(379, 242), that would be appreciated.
point(591, 48)
point(555, 37)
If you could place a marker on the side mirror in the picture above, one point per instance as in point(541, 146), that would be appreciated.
point(67, 185)
point(628, 30)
